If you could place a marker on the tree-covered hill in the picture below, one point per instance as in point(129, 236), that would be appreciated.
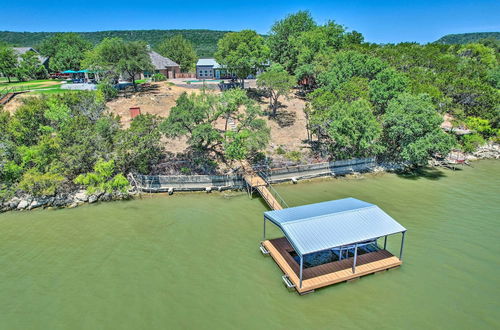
point(463, 38)
point(205, 41)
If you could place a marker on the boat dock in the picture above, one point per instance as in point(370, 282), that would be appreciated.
point(331, 242)
point(330, 273)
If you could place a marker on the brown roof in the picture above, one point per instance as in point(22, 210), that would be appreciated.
point(161, 62)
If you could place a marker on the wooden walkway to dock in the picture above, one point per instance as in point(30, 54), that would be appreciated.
point(255, 181)
point(330, 273)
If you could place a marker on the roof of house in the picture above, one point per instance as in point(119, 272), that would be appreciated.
point(161, 62)
point(21, 50)
point(208, 62)
point(317, 227)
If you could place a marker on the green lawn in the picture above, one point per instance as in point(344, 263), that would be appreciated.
point(34, 86)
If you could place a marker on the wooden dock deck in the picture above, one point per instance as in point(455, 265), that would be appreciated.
point(255, 181)
point(330, 273)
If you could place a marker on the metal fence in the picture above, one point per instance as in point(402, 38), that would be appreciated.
point(162, 183)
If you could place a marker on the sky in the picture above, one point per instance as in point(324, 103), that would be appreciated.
point(379, 21)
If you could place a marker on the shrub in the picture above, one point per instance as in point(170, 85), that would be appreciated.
point(40, 184)
point(185, 170)
point(481, 126)
point(107, 91)
point(294, 156)
point(472, 141)
point(280, 151)
point(102, 179)
point(158, 77)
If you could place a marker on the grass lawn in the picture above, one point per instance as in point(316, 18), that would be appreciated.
point(45, 86)
point(5, 83)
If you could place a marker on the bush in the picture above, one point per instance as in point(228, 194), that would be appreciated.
point(158, 77)
point(107, 91)
point(472, 141)
point(40, 184)
point(280, 151)
point(294, 156)
point(102, 179)
point(185, 170)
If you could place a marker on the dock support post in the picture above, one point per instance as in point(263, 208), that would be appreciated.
point(355, 257)
point(264, 235)
point(300, 272)
point(385, 242)
point(402, 246)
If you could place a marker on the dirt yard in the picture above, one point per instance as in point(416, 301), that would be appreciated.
point(288, 128)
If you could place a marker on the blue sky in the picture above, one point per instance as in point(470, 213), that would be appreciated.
point(379, 21)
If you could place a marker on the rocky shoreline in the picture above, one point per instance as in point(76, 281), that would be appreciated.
point(76, 198)
point(69, 200)
point(488, 151)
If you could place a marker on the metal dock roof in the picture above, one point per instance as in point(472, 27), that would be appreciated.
point(316, 227)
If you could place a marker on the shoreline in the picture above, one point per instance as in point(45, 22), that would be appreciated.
point(80, 197)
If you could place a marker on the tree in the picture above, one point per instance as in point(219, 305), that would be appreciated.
point(103, 179)
point(281, 34)
point(120, 57)
point(40, 184)
point(242, 53)
point(276, 82)
point(344, 65)
point(139, 147)
point(412, 132)
point(66, 51)
point(328, 38)
point(387, 84)
point(195, 116)
point(349, 129)
point(8, 62)
point(29, 67)
point(179, 50)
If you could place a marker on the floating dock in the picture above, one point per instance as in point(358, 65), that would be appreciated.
point(329, 273)
point(347, 230)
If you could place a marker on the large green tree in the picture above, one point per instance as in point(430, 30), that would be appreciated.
point(195, 116)
point(412, 132)
point(242, 53)
point(8, 62)
point(128, 59)
point(281, 35)
point(276, 81)
point(347, 129)
point(66, 51)
point(29, 67)
point(179, 50)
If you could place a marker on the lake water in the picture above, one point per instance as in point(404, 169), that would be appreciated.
point(191, 261)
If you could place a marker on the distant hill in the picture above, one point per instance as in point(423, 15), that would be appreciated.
point(205, 41)
point(464, 38)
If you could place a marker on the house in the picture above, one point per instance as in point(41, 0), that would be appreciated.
point(162, 65)
point(208, 68)
point(22, 50)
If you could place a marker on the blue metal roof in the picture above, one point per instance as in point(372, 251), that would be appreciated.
point(316, 227)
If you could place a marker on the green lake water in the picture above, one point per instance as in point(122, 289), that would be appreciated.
point(191, 261)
